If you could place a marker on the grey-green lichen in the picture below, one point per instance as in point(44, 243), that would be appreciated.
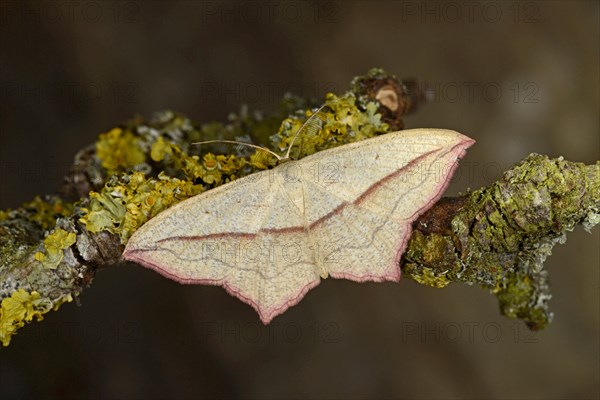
point(38, 273)
point(503, 234)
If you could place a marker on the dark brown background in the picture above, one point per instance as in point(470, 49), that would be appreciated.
point(71, 70)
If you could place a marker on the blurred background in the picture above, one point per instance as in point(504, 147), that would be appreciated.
point(519, 77)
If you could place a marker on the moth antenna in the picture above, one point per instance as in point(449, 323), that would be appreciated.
point(241, 144)
point(313, 116)
point(287, 154)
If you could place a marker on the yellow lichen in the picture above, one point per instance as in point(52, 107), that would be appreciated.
point(213, 169)
point(55, 243)
point(262, 160)
point(170, 154)
point(341, 122)
point(121, 207)
point(212, 172)
point(119, 150)
point(429, 278)
point(22, 307)
point(44, 213)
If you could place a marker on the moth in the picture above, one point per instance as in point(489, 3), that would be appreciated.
point(270, 237)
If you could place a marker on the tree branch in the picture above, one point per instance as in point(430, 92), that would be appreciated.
point(497, 237)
